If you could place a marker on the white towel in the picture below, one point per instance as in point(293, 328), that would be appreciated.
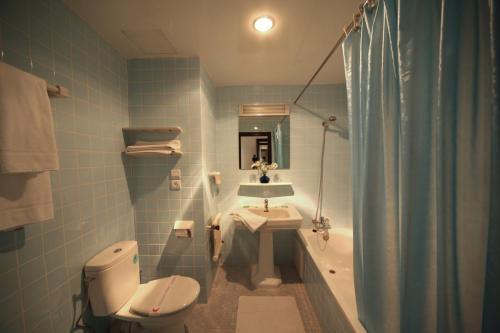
point(24, 198)
point(173, 145)
point(152, 152)
point(27, 149)
point(250, 220)
point(27, 141)
point(227, 228)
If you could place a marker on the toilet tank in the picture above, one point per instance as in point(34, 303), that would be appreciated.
point(114, 277)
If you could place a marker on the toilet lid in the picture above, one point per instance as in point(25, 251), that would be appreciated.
point(165, 296)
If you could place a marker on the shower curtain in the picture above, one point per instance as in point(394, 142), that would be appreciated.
point(424, 122)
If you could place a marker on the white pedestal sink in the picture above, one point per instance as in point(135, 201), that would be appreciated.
point(286, 217)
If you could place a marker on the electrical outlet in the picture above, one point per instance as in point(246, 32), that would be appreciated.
point(175, 174)
point(175, 184)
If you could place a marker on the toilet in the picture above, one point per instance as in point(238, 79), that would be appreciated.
point(114, 289)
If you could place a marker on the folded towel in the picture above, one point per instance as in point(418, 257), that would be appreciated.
point(24, 198)
point(250, 220)
point(168, 144)
point(149, 152)
point(27, 142)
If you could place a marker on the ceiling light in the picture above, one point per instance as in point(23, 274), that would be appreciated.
point(255, 128)
point(263, 23)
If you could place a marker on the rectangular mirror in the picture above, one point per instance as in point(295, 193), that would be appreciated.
point(264, 138)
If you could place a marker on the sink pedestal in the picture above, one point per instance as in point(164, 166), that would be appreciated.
point(285, 217)
point(265, 274)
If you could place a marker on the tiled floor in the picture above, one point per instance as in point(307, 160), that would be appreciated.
point(219, 314)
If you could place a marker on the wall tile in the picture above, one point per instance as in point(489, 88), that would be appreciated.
point(166, 92)
point(46, 256)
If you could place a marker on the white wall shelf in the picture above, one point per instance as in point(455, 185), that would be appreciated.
point(152, 153)
point(166, 129)
point(267, 190)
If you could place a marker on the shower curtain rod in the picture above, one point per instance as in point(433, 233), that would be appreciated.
point(353, 25)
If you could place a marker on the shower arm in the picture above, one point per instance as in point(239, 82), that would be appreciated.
point(353, 25)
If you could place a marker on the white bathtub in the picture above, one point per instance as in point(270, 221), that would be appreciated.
point(335, 255)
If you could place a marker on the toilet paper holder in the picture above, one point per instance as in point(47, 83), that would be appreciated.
point(183, 229)
point(216, 177)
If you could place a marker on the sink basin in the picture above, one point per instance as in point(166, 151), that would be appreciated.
point(279, 218)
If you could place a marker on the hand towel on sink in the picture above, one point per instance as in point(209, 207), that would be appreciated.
point(250, 220)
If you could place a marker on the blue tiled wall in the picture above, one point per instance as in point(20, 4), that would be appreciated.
point(40, 266)
point(168, 92)
point(305, 151)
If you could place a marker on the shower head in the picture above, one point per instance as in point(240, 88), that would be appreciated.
point(330, 120)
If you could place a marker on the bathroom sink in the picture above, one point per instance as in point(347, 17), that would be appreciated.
point(265, 274)
point(279, 218)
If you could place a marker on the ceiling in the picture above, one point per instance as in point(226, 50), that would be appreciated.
point(220, 32)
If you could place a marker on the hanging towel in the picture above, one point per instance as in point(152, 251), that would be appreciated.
point(27, 142)
point(24, 198)
point(227, 229)
point(250, 220)
point(27, 149)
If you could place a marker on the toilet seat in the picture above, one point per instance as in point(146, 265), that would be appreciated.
point(167, 296)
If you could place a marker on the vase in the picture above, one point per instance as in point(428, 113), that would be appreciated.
point(264, 179)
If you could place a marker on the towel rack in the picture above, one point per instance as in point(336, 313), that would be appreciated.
point(57, 91)
point(52, 90)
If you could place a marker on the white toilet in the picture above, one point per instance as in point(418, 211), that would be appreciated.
point(114, 290)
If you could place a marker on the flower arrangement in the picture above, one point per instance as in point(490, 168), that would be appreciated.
point(263, 168)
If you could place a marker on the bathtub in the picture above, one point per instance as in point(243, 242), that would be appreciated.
point(327, 270)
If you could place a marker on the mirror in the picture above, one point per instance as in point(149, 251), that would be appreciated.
point(264, 138)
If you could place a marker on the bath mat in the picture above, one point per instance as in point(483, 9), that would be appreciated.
point(268, 314)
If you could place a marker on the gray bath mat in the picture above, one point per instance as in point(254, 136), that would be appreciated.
point(268, 314)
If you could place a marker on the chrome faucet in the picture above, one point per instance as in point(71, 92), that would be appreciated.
point(321, 226)
point(266, 205)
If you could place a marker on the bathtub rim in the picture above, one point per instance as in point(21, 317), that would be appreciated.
point(351, 315)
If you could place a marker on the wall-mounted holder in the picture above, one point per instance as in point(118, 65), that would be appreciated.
point(216, 177)
point(183, 229)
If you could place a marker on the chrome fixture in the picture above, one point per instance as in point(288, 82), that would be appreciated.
point(353, 25)
point(330, 120)
point(320, 222)
point(321, 227)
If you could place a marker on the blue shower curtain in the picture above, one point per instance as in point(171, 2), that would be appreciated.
point(423, 107)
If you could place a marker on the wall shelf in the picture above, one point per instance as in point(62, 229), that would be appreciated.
point(268, 190)
point(166, 129)
point(266, 184)
point(152, 153)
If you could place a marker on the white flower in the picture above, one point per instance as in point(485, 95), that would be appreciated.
point(256, 165)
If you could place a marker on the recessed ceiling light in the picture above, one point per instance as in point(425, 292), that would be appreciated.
point(255, 128)
point(263, 23)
